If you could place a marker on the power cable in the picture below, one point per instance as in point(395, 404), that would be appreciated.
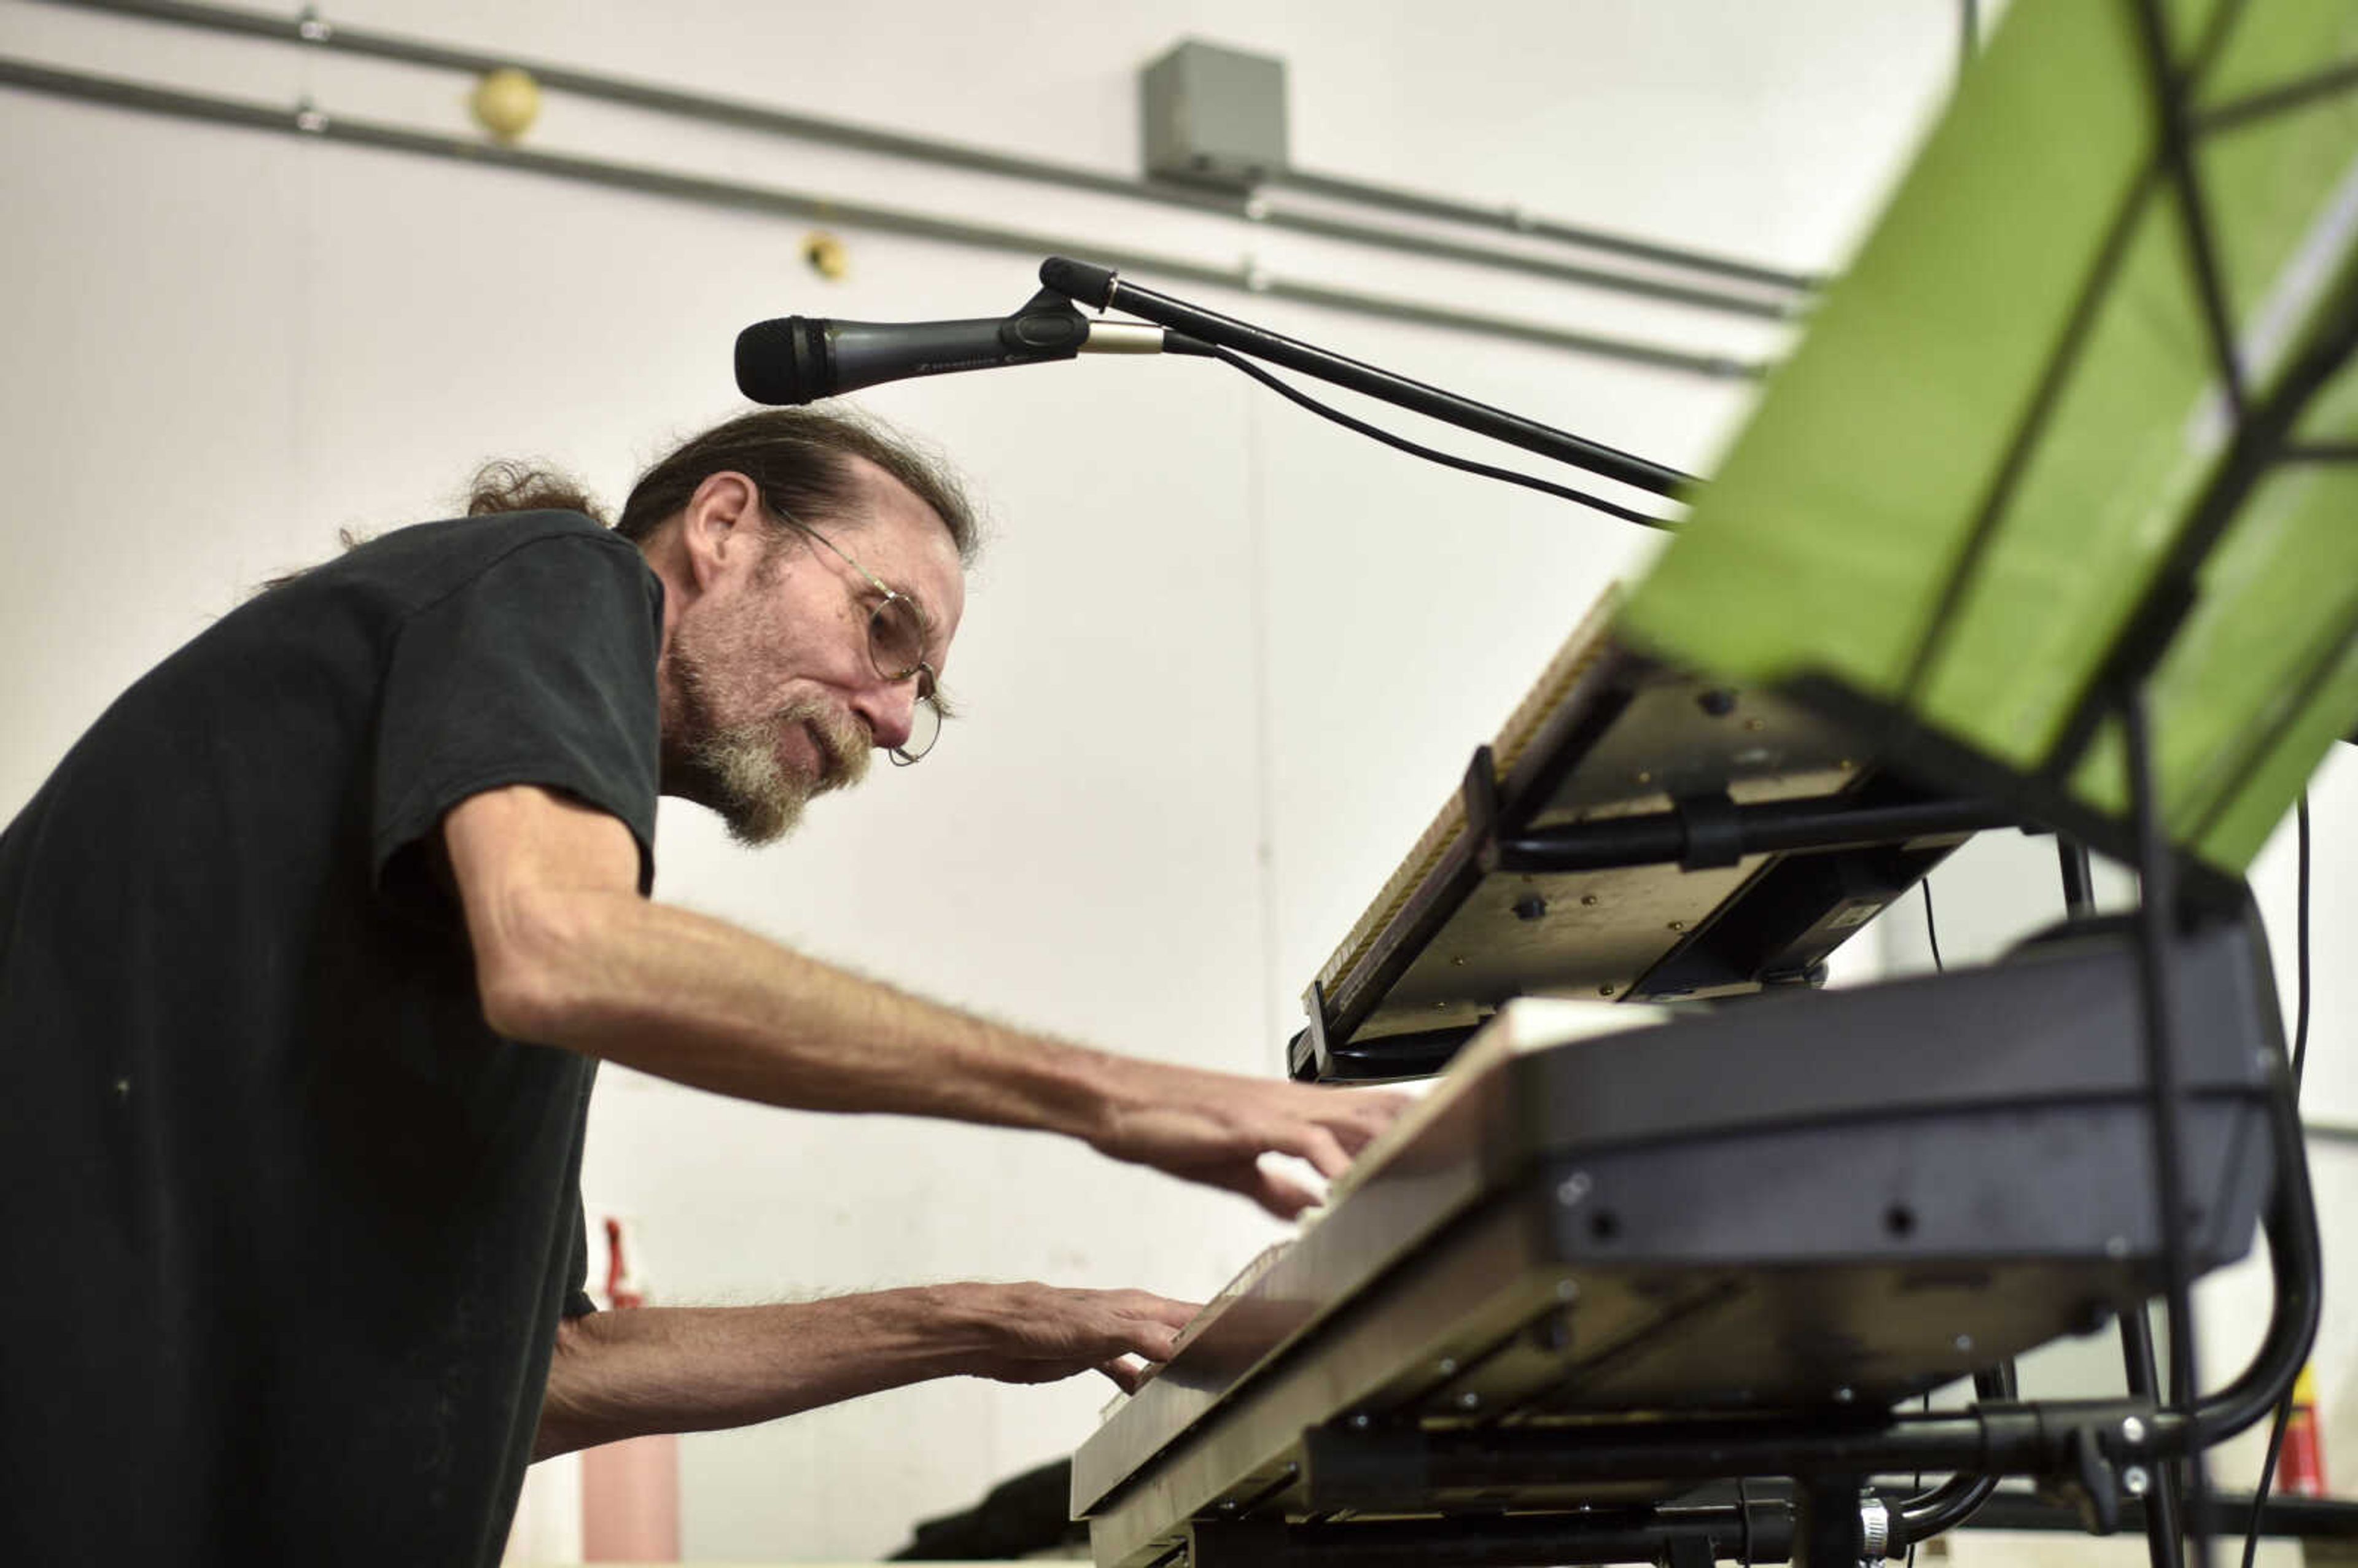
point(1448, 460)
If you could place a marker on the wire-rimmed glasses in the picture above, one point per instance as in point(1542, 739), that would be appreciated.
point(896, 645)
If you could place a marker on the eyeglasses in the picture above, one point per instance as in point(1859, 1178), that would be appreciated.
point(896, 644)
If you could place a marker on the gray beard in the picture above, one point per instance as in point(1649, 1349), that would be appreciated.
point(758, 801)
point(735, 771)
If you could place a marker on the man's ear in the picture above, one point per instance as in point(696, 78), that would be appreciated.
point(721, 527)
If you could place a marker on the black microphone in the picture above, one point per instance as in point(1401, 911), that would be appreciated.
point(800, 359)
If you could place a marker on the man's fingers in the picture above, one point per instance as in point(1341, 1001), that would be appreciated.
point(1154, 1341)
point(1137, 1322)
point(1324, 1150)
point(1371, 1113)
point(1163, 1310)
point(1127, 1375)
point(1281, 1195)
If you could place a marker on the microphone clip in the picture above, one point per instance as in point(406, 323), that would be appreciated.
point(1048, 325)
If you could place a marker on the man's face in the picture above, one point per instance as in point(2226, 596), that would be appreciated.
point(770, 695)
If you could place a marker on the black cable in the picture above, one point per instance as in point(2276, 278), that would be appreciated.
point(1933, 932)
point(2277, 1428)
point(2283, 1421)
point(2300, 948)
point(1916, 1481)
point(1295, 394)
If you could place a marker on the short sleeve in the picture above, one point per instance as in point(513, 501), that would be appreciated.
point(576, 1293)
point(538, 669)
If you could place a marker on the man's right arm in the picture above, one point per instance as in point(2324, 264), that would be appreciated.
point(568, 953)
point(624, 1374)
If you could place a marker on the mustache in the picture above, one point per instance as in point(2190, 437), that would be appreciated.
point(845, 743)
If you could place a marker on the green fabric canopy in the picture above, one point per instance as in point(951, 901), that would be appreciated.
point(1961, 507)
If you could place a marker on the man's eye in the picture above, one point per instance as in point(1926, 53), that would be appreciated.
point(898, 636)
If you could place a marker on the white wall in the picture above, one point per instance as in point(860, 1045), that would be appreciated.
point(1222, 660)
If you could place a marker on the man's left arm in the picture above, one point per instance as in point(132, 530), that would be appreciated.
point(649, 1369)
point(570, 954)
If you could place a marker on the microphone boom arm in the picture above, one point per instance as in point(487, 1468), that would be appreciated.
point(1101, 288)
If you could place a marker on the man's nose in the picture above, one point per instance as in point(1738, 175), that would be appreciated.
point(890, 711)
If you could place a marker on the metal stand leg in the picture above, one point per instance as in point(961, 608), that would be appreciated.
point(2078, 881)
point(2163, 1541)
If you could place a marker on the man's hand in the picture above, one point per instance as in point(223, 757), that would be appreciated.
point(1041, 1334)
point(1214, 1128)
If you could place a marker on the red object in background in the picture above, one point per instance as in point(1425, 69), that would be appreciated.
point(629, 1490)
point(2301, 1468)
point(622, 1287)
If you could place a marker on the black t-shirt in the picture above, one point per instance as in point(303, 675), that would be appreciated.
point(287, 1230)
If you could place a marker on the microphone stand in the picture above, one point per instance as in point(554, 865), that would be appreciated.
point(1102, 288)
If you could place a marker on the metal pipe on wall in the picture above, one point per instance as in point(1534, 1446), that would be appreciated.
point(1768, 293)
point(305, 120)
point(1515, 221)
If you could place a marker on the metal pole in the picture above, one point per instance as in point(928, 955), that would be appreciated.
point(1514, 220)
point(1773, 827)
point(2164, 1536)
point(2157, 922)
point(2078, 881)
point(305, 120)
point(309, 29)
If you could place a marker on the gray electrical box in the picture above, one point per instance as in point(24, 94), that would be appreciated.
point(1215, 116)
